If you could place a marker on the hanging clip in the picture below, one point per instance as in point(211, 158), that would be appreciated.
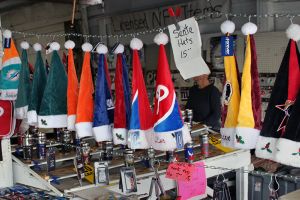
point(174, 16)
point(291, 19)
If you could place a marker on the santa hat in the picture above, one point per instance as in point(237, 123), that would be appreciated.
point(38, 86)
point(85, 104)
point(10, 69)
point(104, 106)
point(231, 92)
point(73, 86)
point(7, 119)
point(141, 125)
point(24, 85)
point(284, 91)
point(53, 110)
point(122, 104)
point(169, 130)
point(288, 146)
point(249, 117)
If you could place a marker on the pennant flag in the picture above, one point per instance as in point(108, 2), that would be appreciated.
point(24, 85)
point(231, 90)
point(85, 104)
point(279, 131)
point(249, 117)
point(170, 131)
point(73, 87)
point(104, 106)
point(10, 69)
point(122, 105)
point(38, 86)
point(53, 109)
point(141, 124)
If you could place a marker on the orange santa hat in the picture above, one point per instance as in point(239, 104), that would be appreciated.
point(85, 104)
point(73, 86)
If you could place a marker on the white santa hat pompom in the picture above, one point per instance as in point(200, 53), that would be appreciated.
point(7, 33)
point(69, 44)
point(136, 44)
point(161, 38)
point(24, 45)
point(227, 27)
point(119, 49)
point(87, 47)
point(55, 46)
point(293, 32)
point(249, 28)
point(102, 49)
point(37, 47)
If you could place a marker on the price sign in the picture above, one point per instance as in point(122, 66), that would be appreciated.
point(180, 171)
point(186, 45)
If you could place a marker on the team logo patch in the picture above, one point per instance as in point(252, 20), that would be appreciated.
point(227, 93)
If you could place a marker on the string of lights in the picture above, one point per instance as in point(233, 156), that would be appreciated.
point(159, 29)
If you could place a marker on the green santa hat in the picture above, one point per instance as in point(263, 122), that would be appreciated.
point(38, 87)
point(24, 85)
point(53, 110)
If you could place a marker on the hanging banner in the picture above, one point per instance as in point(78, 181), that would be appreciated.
point(186, 44)
point(150, 19)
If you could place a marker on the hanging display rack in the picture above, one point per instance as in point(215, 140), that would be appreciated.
point(159, 29)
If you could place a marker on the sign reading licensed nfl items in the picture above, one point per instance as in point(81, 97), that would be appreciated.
point(186, 45)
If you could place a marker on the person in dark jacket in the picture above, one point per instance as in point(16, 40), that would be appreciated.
point(205, 101)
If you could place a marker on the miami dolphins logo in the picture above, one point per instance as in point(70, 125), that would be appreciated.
point(12, 75)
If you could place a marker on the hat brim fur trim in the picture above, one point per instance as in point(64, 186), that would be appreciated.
point(248, 136)
point(102, 133)
point(288, 152)
point(143, 141)
point(84, 129)
point(52, 121)
point(21, 112)
point(71, 122)
point(122, 133)
point(167, 142)
point(267, 153)
point(32, 118)
point(228, 135)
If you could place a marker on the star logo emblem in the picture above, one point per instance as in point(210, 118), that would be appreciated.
point(286, 108)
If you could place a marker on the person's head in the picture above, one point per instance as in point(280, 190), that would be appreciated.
point(202, 80)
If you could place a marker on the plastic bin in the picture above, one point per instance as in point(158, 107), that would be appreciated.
point(291, 182)
point(258, 186)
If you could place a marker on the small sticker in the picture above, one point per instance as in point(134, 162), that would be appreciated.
point(257, 187)
point(227, 46)
point(134, 138)
point(179, 139)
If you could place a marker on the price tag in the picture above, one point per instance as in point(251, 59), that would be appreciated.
point(180, 171)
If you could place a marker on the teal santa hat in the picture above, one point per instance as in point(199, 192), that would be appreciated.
point(24, 85)
point(53, 110)
point(38, 86)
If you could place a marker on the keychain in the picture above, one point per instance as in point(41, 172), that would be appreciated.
point(273, 193)
point(101, 173)
point(78, 163)
point(157, 185)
